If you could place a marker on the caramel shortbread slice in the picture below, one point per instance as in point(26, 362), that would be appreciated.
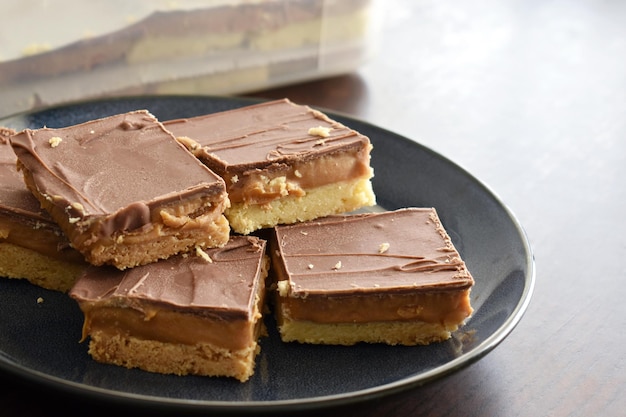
point(123, 190)
point(197, 314)
point(391, 277)
point(282, 162)
point(32, 246)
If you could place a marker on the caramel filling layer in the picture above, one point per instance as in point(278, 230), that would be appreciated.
point(38, 236)
point(444, 307)
point(261, 186)
point(170, 327)
point(197, 215)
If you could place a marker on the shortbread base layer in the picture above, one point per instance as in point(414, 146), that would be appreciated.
point(408, 333)
point(41, 270)
point(317, 202)
point(169, 358)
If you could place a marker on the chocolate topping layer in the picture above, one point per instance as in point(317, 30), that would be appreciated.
point(224, 286)
point(14, 196)
point(119, 167)
point(400, 251)
point(264, 135)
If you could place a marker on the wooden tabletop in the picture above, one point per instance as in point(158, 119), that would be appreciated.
point(530, 98)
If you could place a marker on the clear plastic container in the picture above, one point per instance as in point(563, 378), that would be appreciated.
point(59, 51)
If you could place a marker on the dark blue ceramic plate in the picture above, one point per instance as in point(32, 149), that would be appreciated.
point(39, 341)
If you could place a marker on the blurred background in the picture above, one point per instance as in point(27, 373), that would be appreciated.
point(58, 51)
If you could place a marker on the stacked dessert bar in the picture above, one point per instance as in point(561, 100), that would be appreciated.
point(168, 218)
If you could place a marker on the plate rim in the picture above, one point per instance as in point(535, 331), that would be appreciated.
point(308, 403)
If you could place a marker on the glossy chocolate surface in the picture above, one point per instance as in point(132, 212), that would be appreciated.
point(265, 135)
point(225, 286)
point(406, 250)
point(14, 196)
point(120, 166)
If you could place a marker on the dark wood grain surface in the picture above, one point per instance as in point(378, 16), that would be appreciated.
point(529, 97)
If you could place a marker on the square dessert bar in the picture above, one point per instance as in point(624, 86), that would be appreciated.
point(391, 277)
point(282, 162)
point(32, 245)
point(123, 190)
point(189, 314)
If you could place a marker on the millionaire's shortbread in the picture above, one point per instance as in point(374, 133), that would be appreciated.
point(392, 277)
point(282, 162)
point(123, 190)
point(32, 245)
point(195, 314)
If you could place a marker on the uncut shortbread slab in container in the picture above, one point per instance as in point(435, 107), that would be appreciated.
point(391, 277)
point(123, 190)
point(193, 314)
point(32, 246)
point(282, 162)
